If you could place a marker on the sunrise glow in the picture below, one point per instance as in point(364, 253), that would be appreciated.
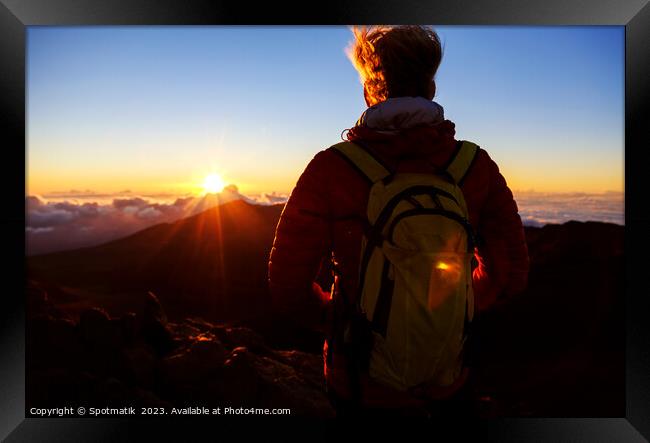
point(213, 184)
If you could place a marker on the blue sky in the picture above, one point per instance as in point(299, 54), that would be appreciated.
point(158, 108)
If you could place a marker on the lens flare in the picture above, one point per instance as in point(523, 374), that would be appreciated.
point(443, 281)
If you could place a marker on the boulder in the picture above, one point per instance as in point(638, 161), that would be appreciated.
point(234, 337)
point(282, 386)
point(153, 326)
point(152, 309)
point(96, 329)
point(139, 364)
point(239, 379)
point(203, 358)
point(129, 327)
point(200, 324)
point(183, 331)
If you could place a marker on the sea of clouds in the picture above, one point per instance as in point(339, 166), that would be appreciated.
point(79, 219)
point(541, 208)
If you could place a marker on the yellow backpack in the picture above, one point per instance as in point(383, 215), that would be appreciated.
point(415, 270)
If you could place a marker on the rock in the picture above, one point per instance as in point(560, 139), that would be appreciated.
point(183, 331)
point(203, 358)
point(126, 361)
point(37, 299)
point(139, 364)
point(38, 302)
point(117, 331)
point(153, 326)
point(95, 327)
point(239, 380)
point(234, 337)
point(281, 386)
point(309, 366)
point(153, 310)
point(129, 324)
point(157, 336)
point(199, 324)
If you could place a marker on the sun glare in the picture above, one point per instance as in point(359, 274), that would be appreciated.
point(213, 183)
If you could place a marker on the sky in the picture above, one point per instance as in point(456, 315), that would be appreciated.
point(154, 110)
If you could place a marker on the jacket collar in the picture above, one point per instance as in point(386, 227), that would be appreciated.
point(410, 127)
point(395, 114)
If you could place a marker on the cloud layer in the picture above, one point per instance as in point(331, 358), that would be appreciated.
point(73, 223)
point(59, 225)
point(540, 208)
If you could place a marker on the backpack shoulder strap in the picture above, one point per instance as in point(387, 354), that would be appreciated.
point(362, 160)
point(461, 160)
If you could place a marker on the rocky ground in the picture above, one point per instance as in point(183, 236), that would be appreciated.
point(142, 360)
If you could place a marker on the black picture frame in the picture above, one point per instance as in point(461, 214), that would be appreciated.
point(16, 15)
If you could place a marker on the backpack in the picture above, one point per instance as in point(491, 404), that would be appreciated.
point(415, 274)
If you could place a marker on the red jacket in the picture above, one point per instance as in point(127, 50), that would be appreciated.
point(323, 213)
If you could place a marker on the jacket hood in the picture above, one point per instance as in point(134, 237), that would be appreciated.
point(404, 127)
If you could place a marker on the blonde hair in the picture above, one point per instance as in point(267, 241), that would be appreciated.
point(395, 61)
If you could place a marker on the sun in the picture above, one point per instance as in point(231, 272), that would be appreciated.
point(213, 183)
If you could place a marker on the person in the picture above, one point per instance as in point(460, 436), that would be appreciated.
point(323, 220)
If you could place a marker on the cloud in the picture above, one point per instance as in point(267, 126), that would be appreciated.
point(268, 198)
point(69, 224)
point(537, 208)
point(149, 213)
point(274, 198)
point(39, 230)
point(49, 217)
point(137, 202)
point(89, 209)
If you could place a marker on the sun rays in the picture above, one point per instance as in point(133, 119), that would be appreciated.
point(213, 183)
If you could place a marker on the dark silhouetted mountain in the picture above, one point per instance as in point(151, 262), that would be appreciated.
point(213, 263)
